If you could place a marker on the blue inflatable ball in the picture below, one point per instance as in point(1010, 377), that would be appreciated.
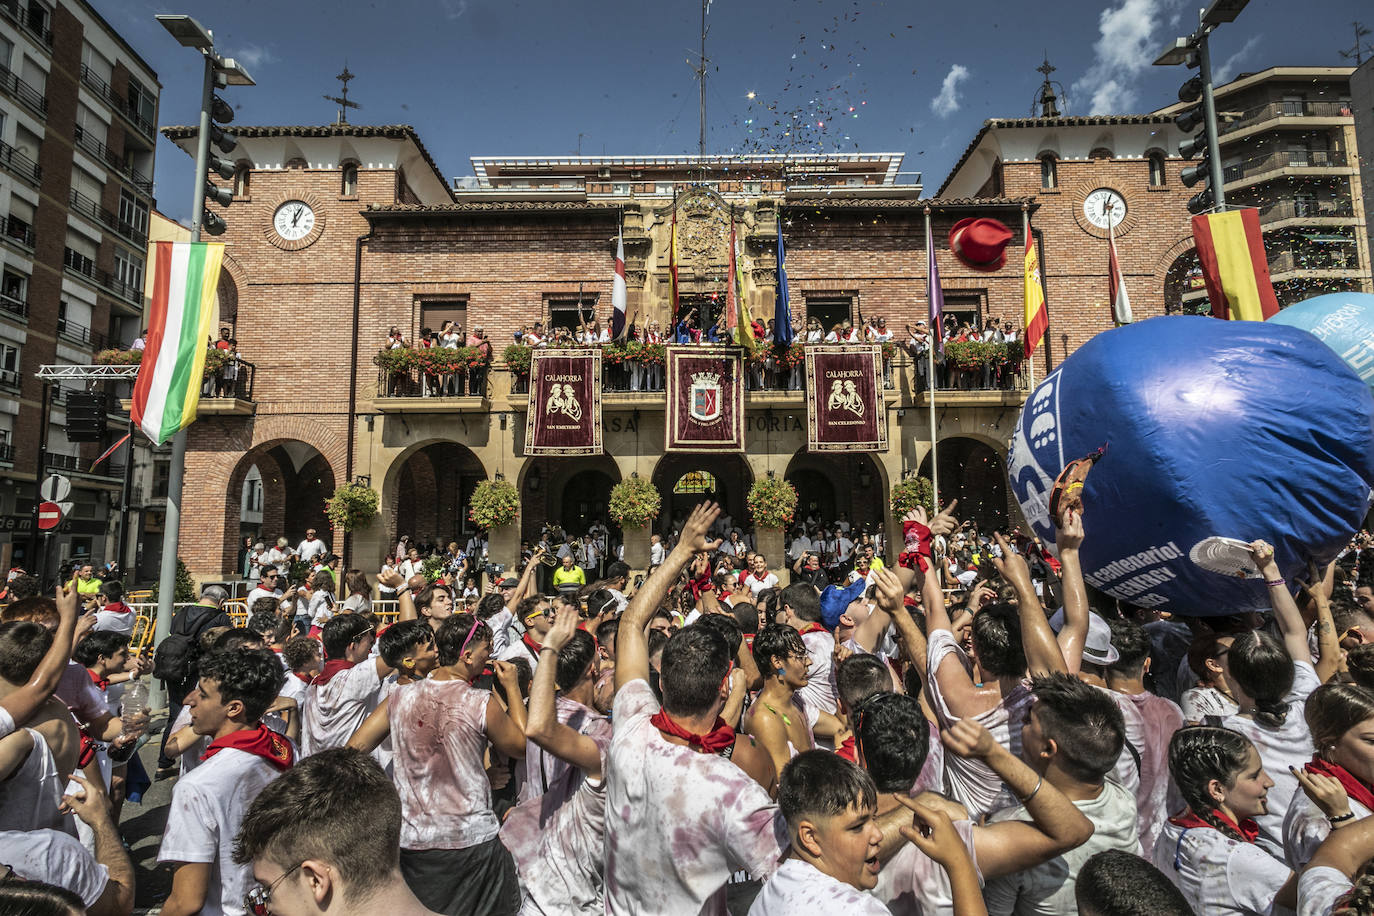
point(1216, 433)
point(1342, 321)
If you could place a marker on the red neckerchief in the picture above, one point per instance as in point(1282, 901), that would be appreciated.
point(1247, 828)
point(530, 644)
point(97, 680)
point(119, 607)
point(307, 678)
point(260, 741)
point(918, 550)
point(716, 740)
point(701, 584)
point(1352, 784)
point(813, 628)
point(332, 667)
point(847, 751)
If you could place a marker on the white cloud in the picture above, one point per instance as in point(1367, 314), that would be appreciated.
point(253, 56)
point(947, 102)
point(1228, 68)
point(1125, 47)
point(453, 9)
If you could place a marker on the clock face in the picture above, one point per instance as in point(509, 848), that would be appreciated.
point(293, 220)
point(1104, 208)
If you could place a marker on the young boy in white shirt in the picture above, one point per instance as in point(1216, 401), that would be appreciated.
point(346, 689)
point(235, 688)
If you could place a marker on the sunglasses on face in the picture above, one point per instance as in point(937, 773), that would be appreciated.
point(258, 898)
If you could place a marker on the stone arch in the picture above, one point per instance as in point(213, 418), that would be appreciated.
point(973, 471)
point(732, 476)
point(851, 485)
point(426, 489)
point(571, 491)
point(296, 480)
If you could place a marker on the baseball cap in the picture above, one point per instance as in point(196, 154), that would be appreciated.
point(834, 601)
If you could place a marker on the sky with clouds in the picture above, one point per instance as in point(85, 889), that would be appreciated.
point(553, 77)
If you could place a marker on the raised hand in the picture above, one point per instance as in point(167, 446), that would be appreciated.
point(564, 626)
point(389, 578)
point(889, 589)
point(1262, 555)
point(694, 530)
point(1326, 792)
point(933, 832)
point(1070, 530)
point(1011, 564)
point(944, 522)
point(967, 739)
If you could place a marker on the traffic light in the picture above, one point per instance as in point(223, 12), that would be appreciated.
point(221, 112)
point(1188, 121)
point(85, 416)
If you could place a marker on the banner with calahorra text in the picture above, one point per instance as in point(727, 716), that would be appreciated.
point(844, 399)
point(564, 416)
point(705, 400)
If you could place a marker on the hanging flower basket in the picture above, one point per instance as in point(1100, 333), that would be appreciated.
point(772, 502)
point(634, 502)
point(913, 492)
point(352, 506)
point(494, 503)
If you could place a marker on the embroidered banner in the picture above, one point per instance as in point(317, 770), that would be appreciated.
point(564, 416)
point(705, 400)
point(844, 399)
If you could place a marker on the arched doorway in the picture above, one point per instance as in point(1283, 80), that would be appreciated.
point(572, 492)
point(277, 490)
point(684, 480)
point(833, 486)
point(974, 473)
point(430, 488)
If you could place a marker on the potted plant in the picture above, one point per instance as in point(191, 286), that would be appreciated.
point(634, 502)
point(517, 358)
point(913, 492)
point(772, 502)
point(352, 506)
point(494, 503)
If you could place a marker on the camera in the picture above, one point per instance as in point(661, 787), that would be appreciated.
point(493, 570)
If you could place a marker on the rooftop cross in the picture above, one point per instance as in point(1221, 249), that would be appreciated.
point(342, 99)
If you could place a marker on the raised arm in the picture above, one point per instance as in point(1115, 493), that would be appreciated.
point(1043, 655)
point(933, 833)
point(374, 730)
point(543, 727)
point(525, 587)
point(1286, 612)
point(1074, 635)
point(631, 644)
point(25, 701)
point(506, 726)
point(1331, 660)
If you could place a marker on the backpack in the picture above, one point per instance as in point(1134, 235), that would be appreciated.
point(178, 656)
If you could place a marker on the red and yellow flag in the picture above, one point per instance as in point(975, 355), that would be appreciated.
point(1230, 250)
point(672, 260)
point(1037, 317)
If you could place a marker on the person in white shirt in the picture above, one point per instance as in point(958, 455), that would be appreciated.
point(1210, 850)
point(800, 607)
point(347, 687)
point(322, 603)
point(1338, 781)
point(268, 587)
point(208, 804)
point(758, 577)
point(656, 552)
point(667, 777)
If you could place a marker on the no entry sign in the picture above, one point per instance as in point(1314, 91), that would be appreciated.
point(49, 515)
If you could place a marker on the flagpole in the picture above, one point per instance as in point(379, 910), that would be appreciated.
point(930, 355)
point(1030, 360)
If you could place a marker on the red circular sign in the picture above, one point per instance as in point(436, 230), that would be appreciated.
point(49, 515)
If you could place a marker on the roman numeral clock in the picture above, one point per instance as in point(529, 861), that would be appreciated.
point(296, 222)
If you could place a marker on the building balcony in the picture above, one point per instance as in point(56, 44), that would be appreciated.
point(1335, 264)
point(14, 307)
point(92, 210)
point(80, 335)
point(222, 394)
point(32, 21)
point(28, 96)
point(112, 161)
point(6, 454)
point(17, 232)
point(81, 266)
point(117, 103)
point(75, 464)
point(1294, 114)
point(20, 165)
point(10, 380)
point(1285, 164)
point(1307, 213)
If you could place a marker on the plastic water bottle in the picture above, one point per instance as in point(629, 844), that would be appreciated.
point(133, 709)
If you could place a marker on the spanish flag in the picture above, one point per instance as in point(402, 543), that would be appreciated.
point(1230, 250)
point(739, 322)
point(672, 260)
point(1037, 317)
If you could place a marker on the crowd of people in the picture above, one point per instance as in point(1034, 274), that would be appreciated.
point(966, 728)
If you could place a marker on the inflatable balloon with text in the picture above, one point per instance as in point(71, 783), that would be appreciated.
point(1342, 321)
point(1216, 433)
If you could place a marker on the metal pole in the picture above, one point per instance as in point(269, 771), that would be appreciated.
point(936, 337)
point(34, 561)
point(701, 79)
point(1209, 110)
point(122, 553)
point(171, 530)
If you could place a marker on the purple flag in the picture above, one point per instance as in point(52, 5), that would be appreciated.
point(935, 294)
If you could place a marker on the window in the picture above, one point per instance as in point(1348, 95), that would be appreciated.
point(1293, 105)
point(1049, 172)
point(1305, 204)
point(961, 310)
point(95, 63)
point(570, 313)
point(433, 313)
point(162, 472)
point(9, 365)
point(141, 102)
point(348, 181)
point(1100, 152)
point(1156, 170)
point(128, 269)
point(14, 287)
point(6, 52)
point(133, 212)
point(296, 163)
point(241, 173)
point(695, 482)
point(829, 311)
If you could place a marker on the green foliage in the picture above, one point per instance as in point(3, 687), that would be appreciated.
point(494, 503)
point(432, 567)
point(913, 492)
point(184, 591)
point(975, 354)
point(517, 358)
point(352, 506)
point(772, 502)
point(634, 502)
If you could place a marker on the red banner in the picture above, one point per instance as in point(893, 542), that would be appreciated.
point(844, 399)
point(705, 400)
point(564, 416)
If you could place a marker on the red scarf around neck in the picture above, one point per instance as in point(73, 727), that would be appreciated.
point(813, 628)
point(1247, 828)
point(531, 644)
point(260, 741)
point(306, 678)
point(1353, 785)
point(847, 751)
point(716, 740)
point(331, 668)
point(97, 680)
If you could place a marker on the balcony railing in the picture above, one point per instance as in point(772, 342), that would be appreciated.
point(17, 231)
point(83, 266)
point(107, 157)
point(28, 95)
point(89, 208)
point(6, 453)
point(36, 24)
point(80, 465)
point(1293, 109)
point(15, 306)
point(1287, 260)
point(1285, 159)
point(1303, 209)
point(97, 84)
point(9, 378)
point(235, 380)
point(80, 334)
point(21, 165)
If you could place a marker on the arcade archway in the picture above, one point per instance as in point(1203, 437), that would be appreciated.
point(573, 492)
point(834, 486)
point(975, 474)
point(278, 490)
point(684, 480)
point(430, 488)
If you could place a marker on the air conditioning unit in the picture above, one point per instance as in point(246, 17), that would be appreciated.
point(603, 173)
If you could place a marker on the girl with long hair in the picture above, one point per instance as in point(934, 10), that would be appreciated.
point(1210, 851)
point(1338, 782)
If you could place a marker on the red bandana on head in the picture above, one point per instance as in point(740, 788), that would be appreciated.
point(716, 740)
point(1354, 787)
point(331, 668)
point(260, 741)
point(1247, 828)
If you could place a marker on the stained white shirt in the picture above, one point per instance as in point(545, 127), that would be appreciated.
point(798, 888)
point(333, 711)
point(56, 858)
point(1219, 875)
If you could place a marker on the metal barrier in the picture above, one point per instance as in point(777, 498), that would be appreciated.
point(385, 612)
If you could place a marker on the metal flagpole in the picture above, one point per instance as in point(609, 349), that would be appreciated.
point(1025, 329)
point(935, 333)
